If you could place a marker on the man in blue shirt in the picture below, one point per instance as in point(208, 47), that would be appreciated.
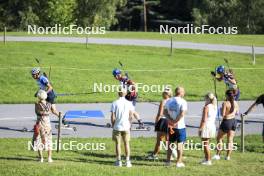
point(175, 110)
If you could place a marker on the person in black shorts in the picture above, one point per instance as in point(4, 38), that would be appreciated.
point(228, 125)
point(260, 100)
point(161, 125)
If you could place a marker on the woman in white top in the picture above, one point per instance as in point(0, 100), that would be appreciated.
point(207, 128)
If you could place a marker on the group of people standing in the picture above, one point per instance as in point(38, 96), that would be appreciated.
point(169, 122)
point(170, 125)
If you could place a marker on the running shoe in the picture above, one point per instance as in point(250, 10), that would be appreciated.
point(216, 157)
point(118, 163)
point(152, 157)
point(207, 163)
point(128, 163)
point(180, 165)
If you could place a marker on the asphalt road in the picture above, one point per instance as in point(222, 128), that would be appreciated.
point(140, 42)
point(14, 117)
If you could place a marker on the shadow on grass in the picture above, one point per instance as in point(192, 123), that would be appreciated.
point(100, 159)
point(13, 129)
point(27, 158)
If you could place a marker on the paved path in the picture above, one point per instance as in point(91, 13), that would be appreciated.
point(14, 117)
point(140, 42)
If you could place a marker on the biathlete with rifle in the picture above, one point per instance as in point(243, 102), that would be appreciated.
point(131, 92)
point(221, 74)
point(44, 84)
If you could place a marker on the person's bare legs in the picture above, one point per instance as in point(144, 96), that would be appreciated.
point(49, 153)
point(206, 149)
point(220, 137)
point(179, 152)
point(118, 149)
point(136, 115)
point(127, 148)
point(40, 154)
point(230, 137)
point(160, 136)
point(169, 152)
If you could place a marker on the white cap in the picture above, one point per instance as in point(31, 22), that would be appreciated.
point(42, 95)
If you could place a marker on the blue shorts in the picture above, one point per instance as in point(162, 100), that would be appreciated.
point(51, 97)
point(179, 135)
point(237, 95)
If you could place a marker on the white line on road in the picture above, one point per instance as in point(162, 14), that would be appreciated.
point(131, 70)
point(15, 118)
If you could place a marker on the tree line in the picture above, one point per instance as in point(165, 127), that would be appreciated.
point(128, 15)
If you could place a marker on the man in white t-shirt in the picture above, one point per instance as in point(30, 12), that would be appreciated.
point(175, 109)
point(121, 113)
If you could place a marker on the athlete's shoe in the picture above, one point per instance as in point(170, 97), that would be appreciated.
point(152, 157)
point(167, 163)
point(50, 160)
point(64, 121)
point(141, 125)
point(118, 163)
point(207, 163)
point(128, 163)
point(41, 160)
point(227, 158)
point(216, 157)
point(180, 165)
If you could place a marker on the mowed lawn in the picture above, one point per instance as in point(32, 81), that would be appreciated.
point(238, 39)
point(16, 159)
point(76, 68)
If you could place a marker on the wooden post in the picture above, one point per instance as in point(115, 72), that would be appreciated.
point(171, 45)
point(59, 131)
point(49, 77)
point(86, 42)
point(4, 35)
point(242, 134)
point(253, 55)
point(145, 15)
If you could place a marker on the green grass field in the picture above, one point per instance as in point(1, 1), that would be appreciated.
point(18, 160)
point(239, 39)
point(75, 69)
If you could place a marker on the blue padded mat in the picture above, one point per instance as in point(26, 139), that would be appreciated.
point(84, 114)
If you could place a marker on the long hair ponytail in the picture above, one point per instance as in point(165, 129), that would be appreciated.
point(230, 97)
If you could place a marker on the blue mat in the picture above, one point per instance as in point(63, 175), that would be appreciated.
point(84, 114)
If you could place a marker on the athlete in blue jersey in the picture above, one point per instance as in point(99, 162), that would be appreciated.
point(44, 84)
point(222, 74)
